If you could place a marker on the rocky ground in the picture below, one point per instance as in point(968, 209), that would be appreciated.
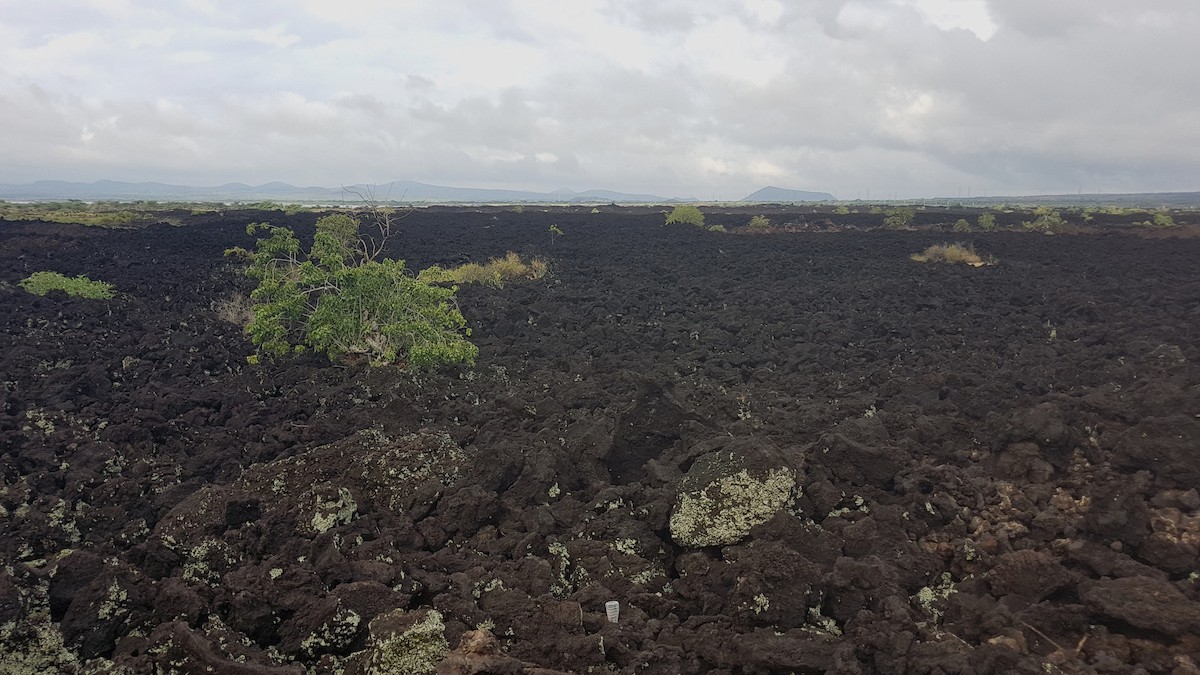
point(785, 453)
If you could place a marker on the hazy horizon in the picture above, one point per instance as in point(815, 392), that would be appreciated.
point(878, 99)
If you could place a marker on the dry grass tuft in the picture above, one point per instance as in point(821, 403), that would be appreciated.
point(236, 309)
point(495, 273)
point(953, 254)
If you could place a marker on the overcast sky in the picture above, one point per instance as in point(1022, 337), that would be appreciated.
point(693, 98)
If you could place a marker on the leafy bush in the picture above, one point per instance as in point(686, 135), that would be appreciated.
point(41, 283)
point(952, 254)
point(495, 273)
point(842, 210)
point(1164, 219)
point(1045, 219)
point(899, 218)
point(961, 225)
point(717, 228)
point(686, 214)
point(340, 297)
point(759, 223)
point(987, 222)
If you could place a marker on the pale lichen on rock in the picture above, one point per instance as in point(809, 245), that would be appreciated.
point(402, 646)
point(331, 512)
point(721, 500)
point(337, 633)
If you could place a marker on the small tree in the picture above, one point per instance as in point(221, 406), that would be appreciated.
point(987, 222)
point(340, 297)
point(961, 225)
point(899, 218)
point(686, 214)
point(759, 223)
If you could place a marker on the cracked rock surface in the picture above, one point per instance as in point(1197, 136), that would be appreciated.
point(796, 452)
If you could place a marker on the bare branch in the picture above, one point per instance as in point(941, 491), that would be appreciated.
point(372, 244)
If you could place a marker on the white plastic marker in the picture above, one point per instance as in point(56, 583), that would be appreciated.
point(614, 610)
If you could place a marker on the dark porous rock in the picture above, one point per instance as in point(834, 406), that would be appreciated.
point(765, 650)
point(1045, 426)
point(1103, 561)
point(1174, 543)
point(1143, 602)
point(774, 584)
point(1030, 575)
point(857, 463)
point(10, 598)
point(105, 609)
point(176, 601)
point(727, 492)
point(72, 574)
point(1163, 445)
point(1184, 500)
point(210, 649)
point(887, 467)
point(1023, 461)
point(369, 599)
point(401, 642)
point(1119, 512)
point(324, 626)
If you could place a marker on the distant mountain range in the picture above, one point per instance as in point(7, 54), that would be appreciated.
point(780, 195)
point(415, 192)
point(400, 191)
point(1130, 199)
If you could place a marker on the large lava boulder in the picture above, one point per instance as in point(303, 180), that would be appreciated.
point(727, 492)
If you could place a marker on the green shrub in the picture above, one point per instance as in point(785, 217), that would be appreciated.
point(1164, 219)
point(899, 218)
point(41, 283)
point(842, 210)
point(987, 222)
point(759, 223)
point(341, 298)
point(686, 214)
point(961, 225)
point(717, 228)
point(1045, 219)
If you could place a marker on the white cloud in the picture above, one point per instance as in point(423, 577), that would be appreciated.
point(969, 15)
point(704, 97)
point(275, 36)
point(729, 49)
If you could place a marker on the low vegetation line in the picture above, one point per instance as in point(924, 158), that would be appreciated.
point(41, 283)
point(953, 254)
point(495, 273)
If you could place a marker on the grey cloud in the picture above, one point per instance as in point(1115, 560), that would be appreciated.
point(1098, 96)
point(1044, 19)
